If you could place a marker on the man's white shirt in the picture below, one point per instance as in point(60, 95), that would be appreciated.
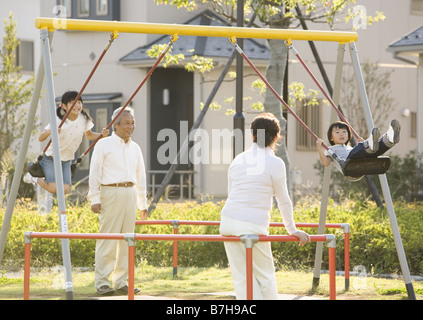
point(114, 161)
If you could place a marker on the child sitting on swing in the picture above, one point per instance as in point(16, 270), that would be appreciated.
point(339, 135)
point(77, 124)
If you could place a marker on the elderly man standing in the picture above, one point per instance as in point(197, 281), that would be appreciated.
point(117, 188)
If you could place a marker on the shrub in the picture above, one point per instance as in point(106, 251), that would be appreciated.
point(371, 240)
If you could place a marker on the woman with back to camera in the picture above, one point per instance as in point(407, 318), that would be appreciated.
point(254, 178)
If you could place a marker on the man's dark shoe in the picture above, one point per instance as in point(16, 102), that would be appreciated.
point(124, 290)
point(105, 291)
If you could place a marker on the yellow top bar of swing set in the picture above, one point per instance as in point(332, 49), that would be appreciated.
point(191, 30)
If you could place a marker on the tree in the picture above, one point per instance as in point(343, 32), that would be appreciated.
point(379, 92)
point(15, 91)
point(281, 14)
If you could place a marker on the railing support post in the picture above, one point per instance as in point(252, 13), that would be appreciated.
point(249, 240)
point(130, 238)
point(27, 262)
point(331, 241)
point(175, 224)
point(346, 228)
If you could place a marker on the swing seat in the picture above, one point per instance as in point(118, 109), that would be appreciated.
point(362, 167)
point(74, 166)
point(35, 170)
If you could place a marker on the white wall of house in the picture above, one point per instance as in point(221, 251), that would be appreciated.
point(71, 52)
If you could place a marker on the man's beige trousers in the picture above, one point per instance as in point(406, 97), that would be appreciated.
point(118, 214)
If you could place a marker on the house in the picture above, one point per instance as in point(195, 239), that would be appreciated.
point(172, 97)
point(409, 49)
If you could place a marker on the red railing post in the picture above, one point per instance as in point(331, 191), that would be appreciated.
point(175, 248)
point(130, 238)
point(249, 240)
point(332, 267)
point(346, 227)
point(27, 265)
point(249, 272)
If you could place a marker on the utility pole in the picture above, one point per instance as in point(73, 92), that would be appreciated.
point(239, 119)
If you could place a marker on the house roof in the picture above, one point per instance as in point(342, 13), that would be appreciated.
point(96, 96)
point(214, 47)
point(410, 44)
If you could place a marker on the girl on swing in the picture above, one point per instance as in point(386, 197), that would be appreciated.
point(339, 135)
point(77, 124)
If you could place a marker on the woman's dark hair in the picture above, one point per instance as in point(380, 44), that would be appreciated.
point(265, 123)
point(67, 97)
point(339, 125)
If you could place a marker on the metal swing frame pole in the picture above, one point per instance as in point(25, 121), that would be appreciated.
point(327, 172)
point(239, 118)
point(22, 154)
point(332, 103)
point(60, 193)
point(382, 178)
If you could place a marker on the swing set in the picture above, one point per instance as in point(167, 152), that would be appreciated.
point(355, 168)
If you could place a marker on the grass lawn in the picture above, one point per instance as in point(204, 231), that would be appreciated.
point(198, 283)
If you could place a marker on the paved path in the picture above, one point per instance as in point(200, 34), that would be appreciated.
point(229, 295)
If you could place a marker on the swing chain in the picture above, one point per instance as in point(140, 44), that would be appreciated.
point(291, 47)
point(173, 38)
point(113, 36)
point(232, 41)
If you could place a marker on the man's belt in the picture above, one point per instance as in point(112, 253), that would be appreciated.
point(120, 184)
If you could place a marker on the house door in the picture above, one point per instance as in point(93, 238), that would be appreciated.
point(171, 92)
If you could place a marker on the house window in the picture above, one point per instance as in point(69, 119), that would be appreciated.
point(102, 7)
point(25, 55)
point(66, 8)
point(416, 7)
point(311, 115)
point(83, 8)
point(100, 118)
point(90, 9)
point(413, 126)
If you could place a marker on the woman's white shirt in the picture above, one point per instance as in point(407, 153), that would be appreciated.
point(254, 177)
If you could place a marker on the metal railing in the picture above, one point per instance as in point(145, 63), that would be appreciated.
point(176, 223)
point(248, 240)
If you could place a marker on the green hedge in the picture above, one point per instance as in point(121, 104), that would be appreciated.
point(371, 241)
